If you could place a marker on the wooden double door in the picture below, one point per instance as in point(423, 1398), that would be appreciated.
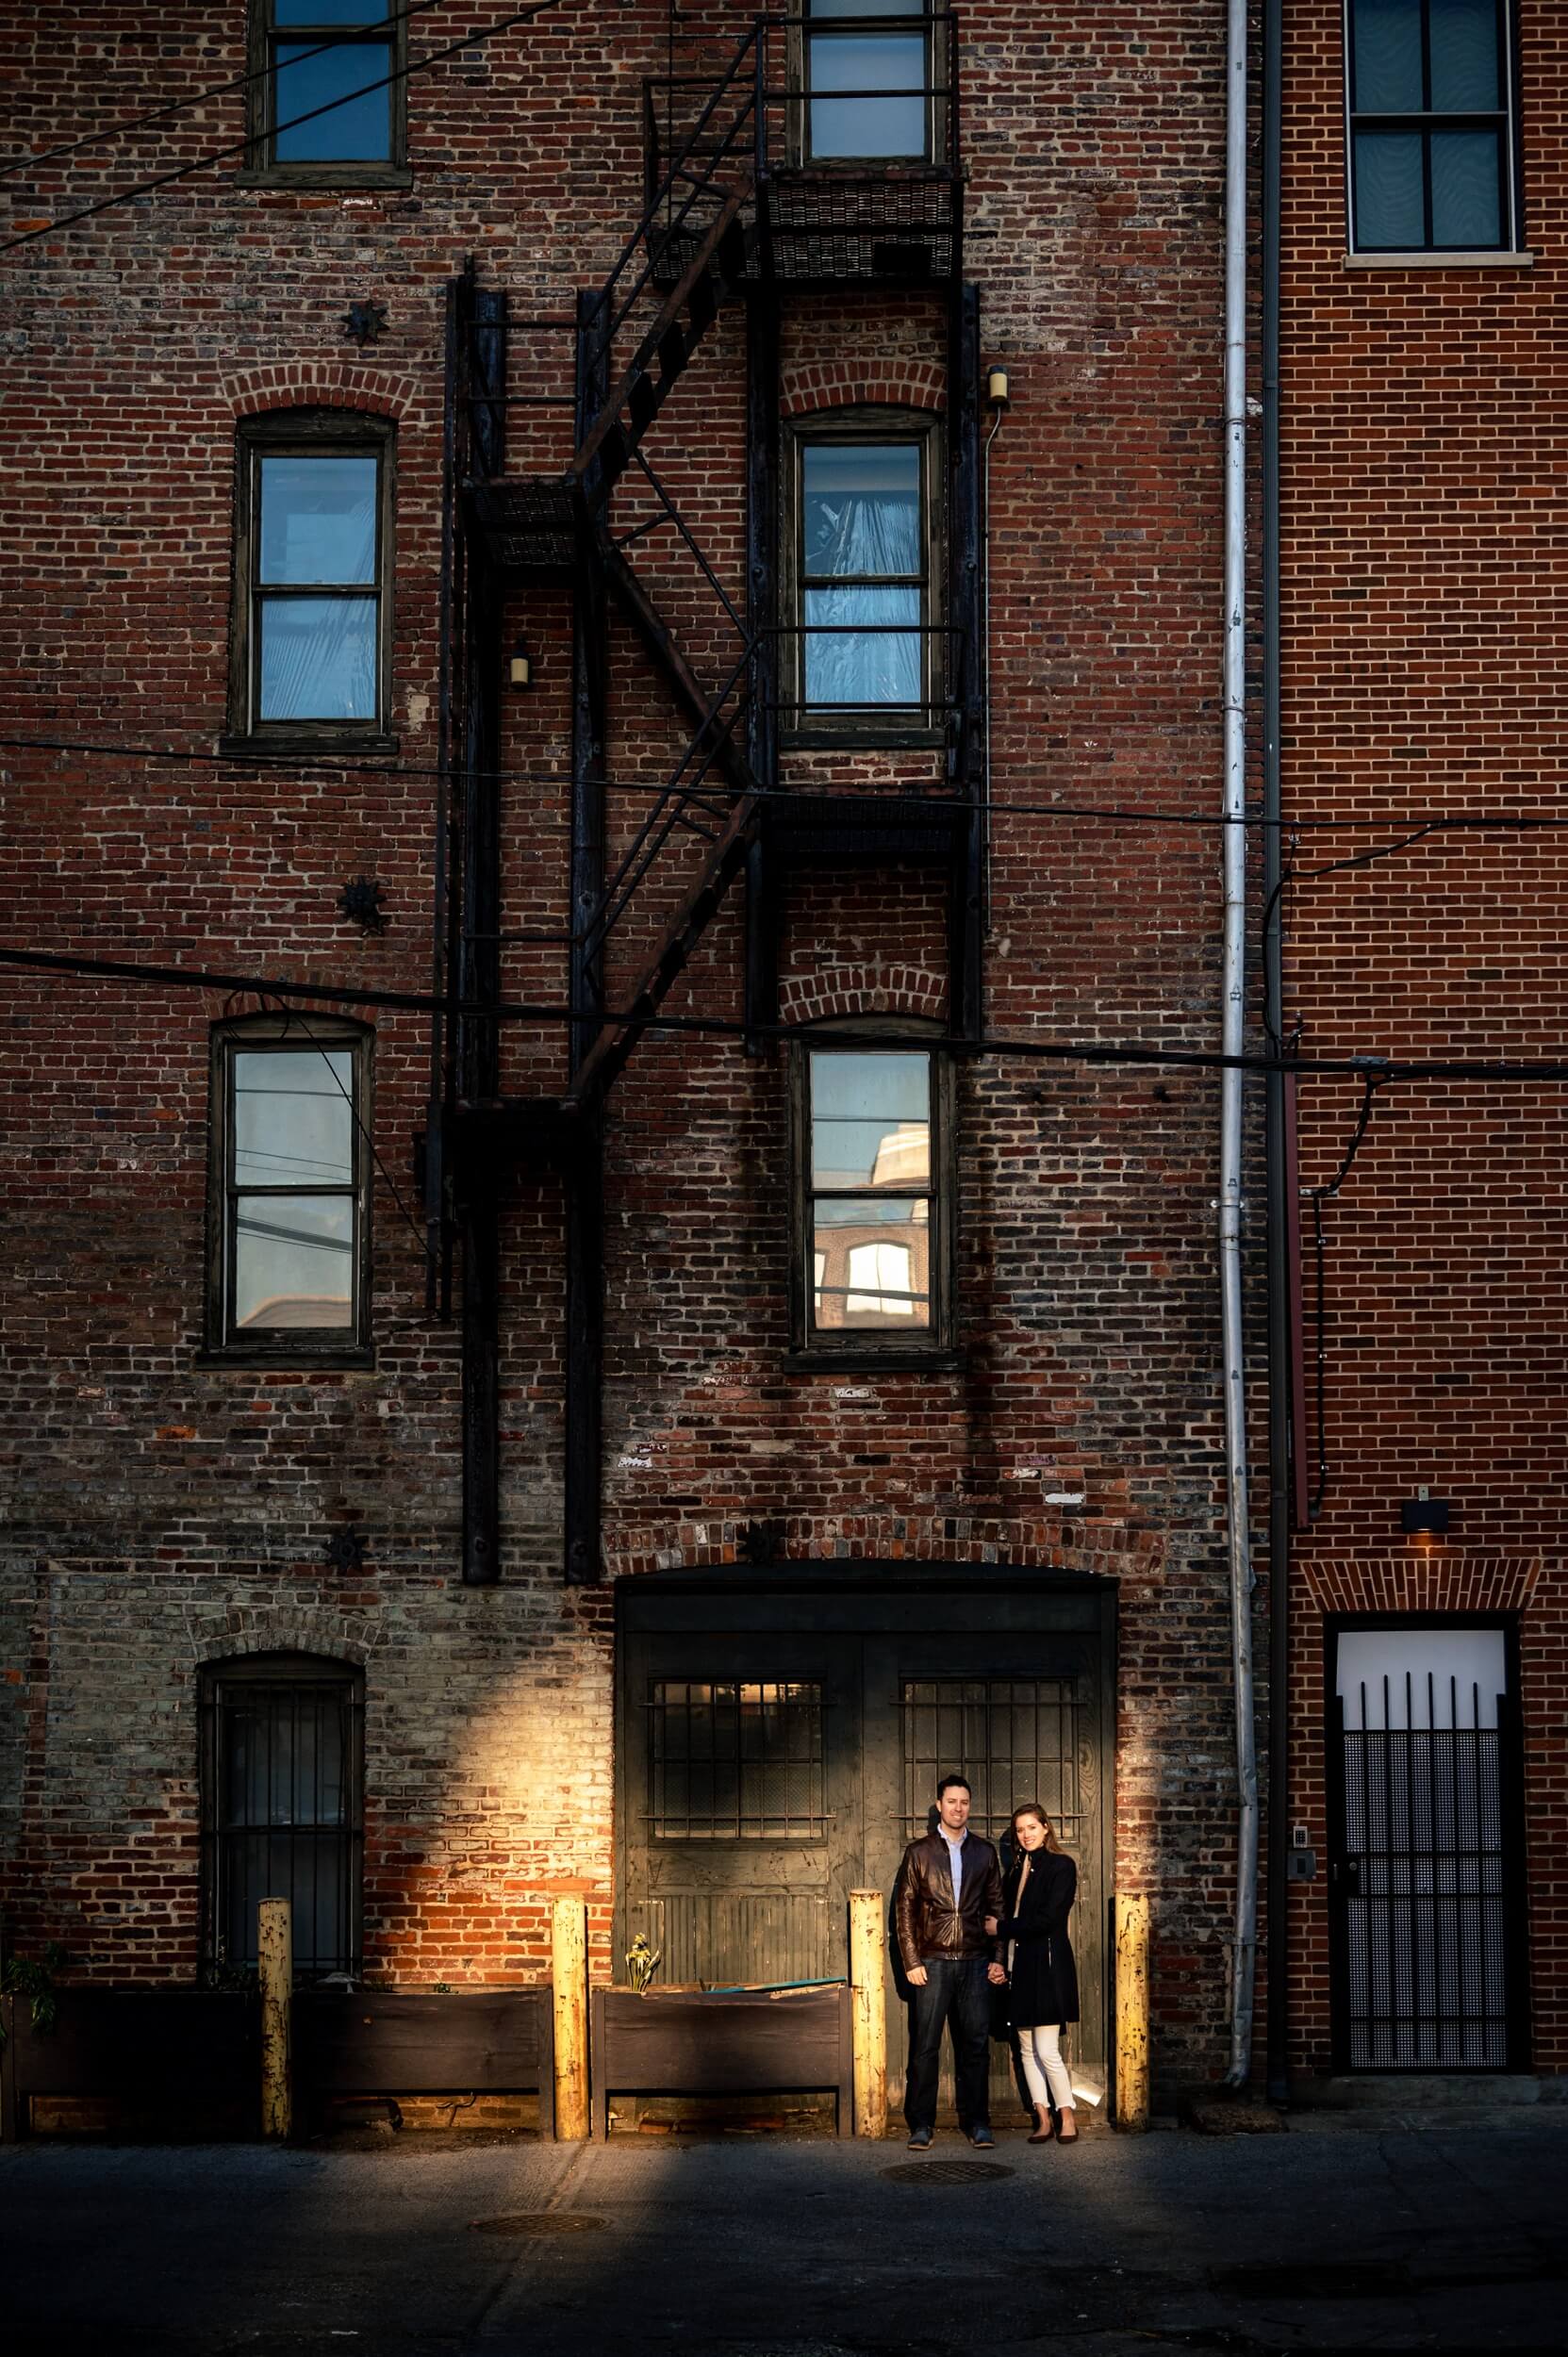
point(779, 1742)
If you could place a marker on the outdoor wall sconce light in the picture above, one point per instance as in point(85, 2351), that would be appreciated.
point(520, 667)
point(995, 389)
point(1426, 1516)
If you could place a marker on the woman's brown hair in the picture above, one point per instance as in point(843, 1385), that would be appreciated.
point(1032, 1809)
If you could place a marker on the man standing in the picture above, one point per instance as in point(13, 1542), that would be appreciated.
point(950, 1882)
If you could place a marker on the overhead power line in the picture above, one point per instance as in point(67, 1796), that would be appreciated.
point(22, 164)
point(1385, 1068)
point(238, 147)
point(1121, 814)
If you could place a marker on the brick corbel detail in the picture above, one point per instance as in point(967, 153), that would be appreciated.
point(862, 989)
point(843, 384)
point(1420, 1580)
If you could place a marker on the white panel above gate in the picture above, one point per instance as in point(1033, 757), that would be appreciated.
point(1420, 1678)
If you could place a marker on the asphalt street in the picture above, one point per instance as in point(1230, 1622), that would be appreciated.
point(1340, 2234)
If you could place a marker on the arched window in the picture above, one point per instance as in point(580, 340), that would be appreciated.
point(282, 1789)
point(289, 1191)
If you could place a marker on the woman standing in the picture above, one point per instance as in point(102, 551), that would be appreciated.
point(1037, 1895)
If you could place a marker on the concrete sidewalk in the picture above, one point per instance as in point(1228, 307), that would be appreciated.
point(1343, 2234)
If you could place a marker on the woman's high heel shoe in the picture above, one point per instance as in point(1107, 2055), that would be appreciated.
point(1044, 2131)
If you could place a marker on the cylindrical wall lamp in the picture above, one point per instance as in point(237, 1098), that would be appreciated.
point(520, 667)
point(995, 389)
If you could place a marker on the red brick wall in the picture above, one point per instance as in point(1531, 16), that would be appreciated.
point(167, 1510)
point(1425, 602)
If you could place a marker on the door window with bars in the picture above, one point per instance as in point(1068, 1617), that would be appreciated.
point(282, 1808)
point(735, 1761)
point(1014, 1740)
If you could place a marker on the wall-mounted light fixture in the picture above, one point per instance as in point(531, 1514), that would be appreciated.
point(995, 389)
point(520, 667)
point(1426, 1516)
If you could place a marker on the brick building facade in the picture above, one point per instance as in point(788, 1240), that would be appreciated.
point(265, 587)
point(1422, 601)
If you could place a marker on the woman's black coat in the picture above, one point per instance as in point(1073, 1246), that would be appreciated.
point(1045, 1976)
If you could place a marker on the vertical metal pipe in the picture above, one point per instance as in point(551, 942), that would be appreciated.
point(1232, 1019)
point(1283, 1208)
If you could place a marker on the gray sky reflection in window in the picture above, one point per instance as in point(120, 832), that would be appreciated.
point(318, 529)
point(862, 58)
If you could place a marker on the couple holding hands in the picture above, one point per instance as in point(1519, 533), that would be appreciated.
point(964, 1933)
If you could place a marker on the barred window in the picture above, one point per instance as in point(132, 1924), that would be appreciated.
point(282, 1776)
point(735, 1762)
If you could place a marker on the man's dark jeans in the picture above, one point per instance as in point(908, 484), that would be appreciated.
point(957, 1991)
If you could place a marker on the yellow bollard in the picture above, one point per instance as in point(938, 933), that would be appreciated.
point(274, 1948)
point(1132, 2013)
point(568, 1953)
point(870, 2012)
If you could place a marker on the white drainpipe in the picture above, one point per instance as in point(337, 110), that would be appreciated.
point(1232, 1016)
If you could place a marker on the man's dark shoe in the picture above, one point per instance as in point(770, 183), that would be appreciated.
point(919, 2140)
point(982, 2139)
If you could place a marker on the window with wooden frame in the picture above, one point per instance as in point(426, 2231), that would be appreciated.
point(1433, 127)
point(862, 542)
point(327, 97)
point(282, 1810)
point(874, 1199)
point(310, 651)
point(289, 1191)
point(866, 75)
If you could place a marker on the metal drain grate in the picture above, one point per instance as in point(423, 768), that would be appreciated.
point(946, 2172)
point(523, 2222)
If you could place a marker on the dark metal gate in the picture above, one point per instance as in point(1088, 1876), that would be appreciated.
point(1425, 1884)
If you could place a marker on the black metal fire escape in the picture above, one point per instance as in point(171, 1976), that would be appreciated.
point(732, 218)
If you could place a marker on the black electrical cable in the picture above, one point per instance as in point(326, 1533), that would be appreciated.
point(1383, 1068)
point(200, 98)
point(238, 147)
point(1524, 822)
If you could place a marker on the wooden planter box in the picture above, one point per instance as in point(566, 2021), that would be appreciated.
point(675, 2042)
point(470, 2042)
point(146, 2049)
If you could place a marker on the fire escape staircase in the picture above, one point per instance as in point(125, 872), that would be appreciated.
point(720, 227)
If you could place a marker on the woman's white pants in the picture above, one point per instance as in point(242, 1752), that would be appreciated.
point(1044, 2068)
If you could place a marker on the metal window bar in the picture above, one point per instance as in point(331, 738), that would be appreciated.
point(736, 1760)
point(1016, 1740)
point(283, 1818)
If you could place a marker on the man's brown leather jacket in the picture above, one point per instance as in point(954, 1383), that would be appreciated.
point(930, 1927)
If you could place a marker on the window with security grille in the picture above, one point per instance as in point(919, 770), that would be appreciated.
point(326, 92)
point(282, 1777)
point(1432, 162)
point(1014, 1740)
point(289, 1188)
point(738, 1761)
